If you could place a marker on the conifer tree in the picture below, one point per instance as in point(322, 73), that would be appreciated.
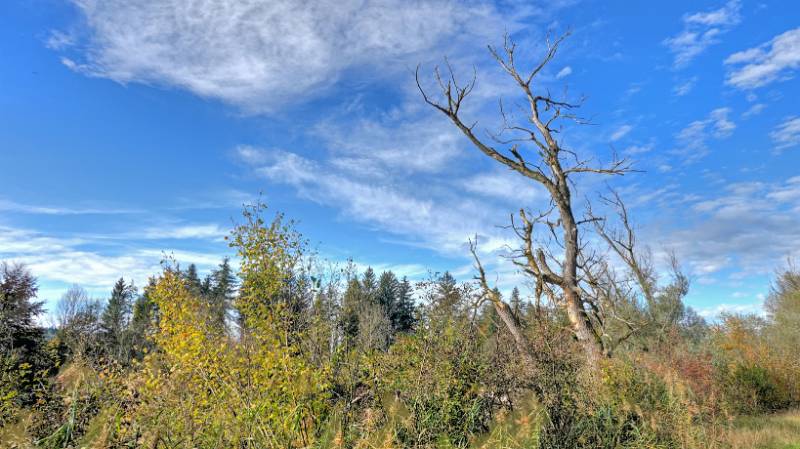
point(369, 284)
point(516, 303)
point(404, 319)
point(221, 292)
point(447, 292)
point(22, 357)
point(114, 321)
point(351, 304)
point(386, 294)
point(193, 282)
point(19, 333)
point(143, 321)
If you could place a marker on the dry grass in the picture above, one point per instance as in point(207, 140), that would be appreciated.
point(779, 431)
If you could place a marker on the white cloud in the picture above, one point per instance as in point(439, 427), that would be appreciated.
point(727, 15)
point(639, 149)
point(505, 185)
point(685, 87)
point(694, 137)
point(787, 134)
point(93, 261)
point(419, 217)
point(13, 206)
point(751, 227)
point(397, 145)
point(755, 109)
point(566, 71)
point(718, 310)
point(769, 62)
point(701, 30)
point(620, 132)
point(194, 231)
point(261, 54)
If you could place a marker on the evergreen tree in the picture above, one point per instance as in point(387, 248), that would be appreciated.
point(516, 304)
point(447, 294)
point(192, 279)
point(19, 333)
point(351, 304)
point(403, 318)
point(115, 318)
point(221, 292)
point(369, 284)
point(386, 294)
point(143, 321)
point(23, 360)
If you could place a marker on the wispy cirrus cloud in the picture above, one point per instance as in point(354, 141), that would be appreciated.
point(786, 134)
point(772, 61)
point(694, 137)
point(750, 228)
point(262, 54)
point(13, 206)
point(700, 31)
point(620, 132)
point(685, 87)
point(420, 218)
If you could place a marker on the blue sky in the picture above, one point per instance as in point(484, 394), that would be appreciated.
point(134, 128)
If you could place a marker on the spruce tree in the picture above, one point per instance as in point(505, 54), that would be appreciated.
point(386, 294)
point(221, 292)
point(23, 360)
point(369, 284)
point(516, 304)
point(404, 319)
point(193, 282)
point(114, 321)
point(351, 304)
point(447, 294)
point(143, 321)
point(19, 333)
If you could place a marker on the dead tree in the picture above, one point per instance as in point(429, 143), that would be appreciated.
point(534, 151)
point(659, 300)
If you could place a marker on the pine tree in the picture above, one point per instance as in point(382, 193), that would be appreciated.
point(516, 304)
point(23, 360)
point(404, 319)
point(114, 321)
point(386, 294)
point(192, 279)
point(351, 304)
point(369, 284)
point(143, 321)
point(221, 292)
point(19, 333)
point(447, 294)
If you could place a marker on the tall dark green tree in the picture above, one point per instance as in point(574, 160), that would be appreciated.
point(403, 317)
point(115, 319)
point(369, 284)
point(221, 292)
point(447, 294)
point(516, 304)
point(193, 282)
point(19, 333)
point(351, 304)
point(386, 293)
point(143, 322)
point(23, 360)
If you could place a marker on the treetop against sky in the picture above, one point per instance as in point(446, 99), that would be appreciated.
point(131, 129)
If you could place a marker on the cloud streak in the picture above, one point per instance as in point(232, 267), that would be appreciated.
point(772, 61)
point(700, 31)
point(262, 54)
